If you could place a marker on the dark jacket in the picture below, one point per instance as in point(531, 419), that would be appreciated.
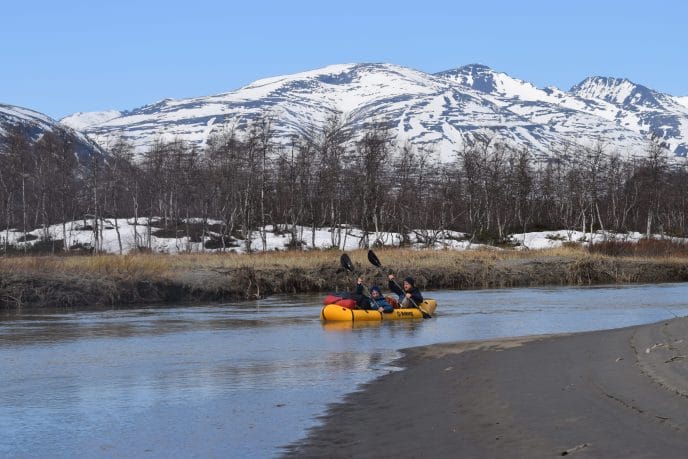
point(416, 296)
point(365, 302)
point(382, 303)
point(362, 301)
point(359, 290)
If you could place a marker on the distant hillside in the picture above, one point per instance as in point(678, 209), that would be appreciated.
point(444, 111)
point(34, 125)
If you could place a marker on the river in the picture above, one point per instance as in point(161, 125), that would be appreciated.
point(245, 379)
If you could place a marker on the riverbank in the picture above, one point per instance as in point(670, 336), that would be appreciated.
point(111, 280)
point(616, 393)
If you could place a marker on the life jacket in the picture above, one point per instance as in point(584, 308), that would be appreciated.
point(393, 301)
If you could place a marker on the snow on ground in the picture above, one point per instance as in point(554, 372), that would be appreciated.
point(552, 239)
point(123, 236)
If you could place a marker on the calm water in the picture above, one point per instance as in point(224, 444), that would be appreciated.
point(242, 380)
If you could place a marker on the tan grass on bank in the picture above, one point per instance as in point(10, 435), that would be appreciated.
point(146, 265)
point(158, 263)
point(70, 281)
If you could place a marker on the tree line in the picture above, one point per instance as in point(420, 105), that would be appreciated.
point(330, 177)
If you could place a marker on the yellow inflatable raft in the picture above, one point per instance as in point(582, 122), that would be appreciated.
point(333, 312)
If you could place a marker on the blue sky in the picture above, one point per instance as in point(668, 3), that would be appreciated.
point(62, 57)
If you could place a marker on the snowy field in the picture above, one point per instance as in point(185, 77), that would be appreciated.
point(123, 236)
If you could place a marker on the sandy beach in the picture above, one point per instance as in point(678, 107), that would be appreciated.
point(617, 393)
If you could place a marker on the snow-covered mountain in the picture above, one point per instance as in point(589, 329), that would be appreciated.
point(36, 124)
point(683, 101)
point(84, 120)
point(444, 111)
point(664, 115)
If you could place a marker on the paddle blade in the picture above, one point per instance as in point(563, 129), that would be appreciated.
point(372, 258)
point(346, 262)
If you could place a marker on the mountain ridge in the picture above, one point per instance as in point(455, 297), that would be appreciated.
point(34, 125)
point(446, 110)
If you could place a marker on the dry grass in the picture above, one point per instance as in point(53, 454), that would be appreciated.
point(49, 281)
point(645, 248)
point(108, 265)
point(408, 258)
point(163, 266)
point(159, 265)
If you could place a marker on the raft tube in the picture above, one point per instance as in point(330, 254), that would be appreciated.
point(333, 312)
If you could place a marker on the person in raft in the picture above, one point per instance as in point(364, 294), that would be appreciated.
point(409, 295)
point(375, 301)
point(378, 300)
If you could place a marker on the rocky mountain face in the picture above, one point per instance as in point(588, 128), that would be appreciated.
point(444, 112)
point(652, 112)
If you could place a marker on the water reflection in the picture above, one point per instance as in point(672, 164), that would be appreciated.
point(126, 324)
point(212, 380)
point(348, 326)
point(394, 326)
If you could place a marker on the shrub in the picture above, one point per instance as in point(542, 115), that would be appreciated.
point(216, 243)
point(491, 237)
point(294, 244)
point(570, 245)
point(28, 237)
point(642, 248)
point(556, 237)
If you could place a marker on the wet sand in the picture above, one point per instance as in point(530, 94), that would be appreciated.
point(617, 393)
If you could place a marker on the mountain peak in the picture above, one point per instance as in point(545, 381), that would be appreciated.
point(474, 68)
point(475, 76)
point(444, 111)
point(484, 79)
point(618, 91)
point(333, 74)
point(81, 121)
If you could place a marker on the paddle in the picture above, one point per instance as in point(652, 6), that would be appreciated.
point(347, 263)
point(372, 258)
point(349, 266)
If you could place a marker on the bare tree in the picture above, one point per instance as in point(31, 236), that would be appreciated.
point(370, 180)
point(20, 162)
point(653, 173)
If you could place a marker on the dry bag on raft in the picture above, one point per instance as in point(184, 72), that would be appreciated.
point(343, 299)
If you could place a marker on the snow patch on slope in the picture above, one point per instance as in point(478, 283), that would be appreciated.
point(83, 120)
point(25, 114)
point(683, 101)
point(613, 90)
